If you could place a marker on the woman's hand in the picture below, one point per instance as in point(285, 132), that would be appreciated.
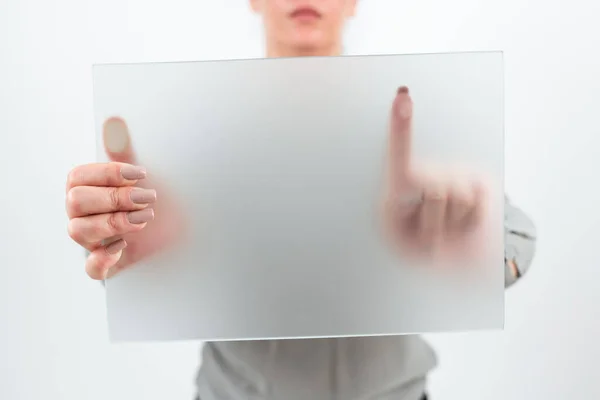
point(431, 214)
point(113, 208)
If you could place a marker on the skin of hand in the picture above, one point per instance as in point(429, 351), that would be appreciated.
point(431, 214)
point(114, 211)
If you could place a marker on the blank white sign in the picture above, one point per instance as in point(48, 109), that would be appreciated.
point(277, 166)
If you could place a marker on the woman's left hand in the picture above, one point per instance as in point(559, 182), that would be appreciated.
point(431, 214)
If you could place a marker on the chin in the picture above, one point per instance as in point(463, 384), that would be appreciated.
point(309, 43)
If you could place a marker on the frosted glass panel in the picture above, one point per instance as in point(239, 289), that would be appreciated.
point(271, 173)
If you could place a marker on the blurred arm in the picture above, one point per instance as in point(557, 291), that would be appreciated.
point(520, 243)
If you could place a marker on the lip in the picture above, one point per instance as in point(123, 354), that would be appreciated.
point(305, 13)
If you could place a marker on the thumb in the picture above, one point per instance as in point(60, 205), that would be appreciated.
point(117, 140)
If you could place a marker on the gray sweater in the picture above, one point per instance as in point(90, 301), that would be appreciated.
point(364, 368)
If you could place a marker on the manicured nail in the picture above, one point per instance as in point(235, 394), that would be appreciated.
point(116, 246)
point(133, 173)
point(143, 196)
point(116, 135)
point(140, 217)
point(403, 90)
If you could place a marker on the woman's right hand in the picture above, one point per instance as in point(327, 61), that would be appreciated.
point(114, 211)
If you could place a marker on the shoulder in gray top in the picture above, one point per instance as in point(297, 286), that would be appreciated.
point(366, 368)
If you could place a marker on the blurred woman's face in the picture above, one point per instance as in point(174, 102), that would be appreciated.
point(304, 24)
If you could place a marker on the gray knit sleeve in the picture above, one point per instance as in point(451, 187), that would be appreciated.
point(520, 243)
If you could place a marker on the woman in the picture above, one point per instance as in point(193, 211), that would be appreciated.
point(116, 216)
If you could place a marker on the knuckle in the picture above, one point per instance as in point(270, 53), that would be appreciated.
point(95, 268)
point(468, 202)
point(436, 195)
point(73, 201)
point(114, 198)
point(464, 189)
point(74, 231)
point(114, 172)
point(116, 223)
point(94, 273)
point(73, 176)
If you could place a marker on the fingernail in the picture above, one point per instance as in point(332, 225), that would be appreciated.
point(143, 196)
point(403, 90)
point(116, 247)
point(116, 135)
point(140, 217)
point(133, 173)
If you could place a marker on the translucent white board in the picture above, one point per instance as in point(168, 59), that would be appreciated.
point(276, 166)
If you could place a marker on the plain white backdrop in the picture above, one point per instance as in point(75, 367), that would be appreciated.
point(53, 339)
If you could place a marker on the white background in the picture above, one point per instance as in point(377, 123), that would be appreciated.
point(53, 340)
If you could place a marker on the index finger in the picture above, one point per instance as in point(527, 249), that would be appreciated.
point(112, 174)
point(400, 137)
